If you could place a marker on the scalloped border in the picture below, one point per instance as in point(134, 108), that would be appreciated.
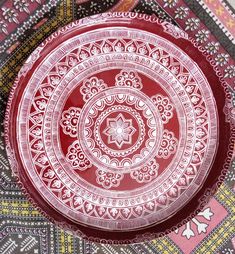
point(208, 193)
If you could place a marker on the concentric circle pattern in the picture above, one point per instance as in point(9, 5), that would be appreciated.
point(117, 126)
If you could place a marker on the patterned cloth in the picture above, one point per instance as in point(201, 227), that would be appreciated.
point(24, 24)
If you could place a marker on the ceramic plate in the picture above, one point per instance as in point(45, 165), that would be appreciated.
point(113, 127)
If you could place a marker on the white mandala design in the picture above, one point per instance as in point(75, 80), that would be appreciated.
point(119, 112)
point(89, 74)
point(141, 117)
point(141, 130)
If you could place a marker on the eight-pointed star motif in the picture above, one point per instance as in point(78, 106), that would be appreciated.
point(119, 130)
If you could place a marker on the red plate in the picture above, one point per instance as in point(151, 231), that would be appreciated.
point(114, 124)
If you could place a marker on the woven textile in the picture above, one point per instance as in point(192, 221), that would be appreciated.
point(23, 26)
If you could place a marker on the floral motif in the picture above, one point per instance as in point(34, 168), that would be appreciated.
point(72, 61)
point(41, 104)
point(38, 145)
point(221, 59)
point(108, 179)
point(91, 87)
point(95, 7)
point(21, 5)
point(47, 92)
point(56, 184)
point(164, 107)
point(83, 55)
point(119, 130)
point(95, 50)
point(131, 48)
point(192, 24)
point(42, 159)
point(212, 48)
point(202, 35)
point(37, 131)
point(118, 47)
point(229, 71)
point(55, 80)
point(50, 173)
point(107, 48)
point(146, 173)
point(82, 11)
point(201, 227)
point(129, 78)
point(76, 157)
point(168, 145)
point(181, 12)
point(69, 121)
point(10, 15)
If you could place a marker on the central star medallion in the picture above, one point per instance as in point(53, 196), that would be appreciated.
point(119, 131)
